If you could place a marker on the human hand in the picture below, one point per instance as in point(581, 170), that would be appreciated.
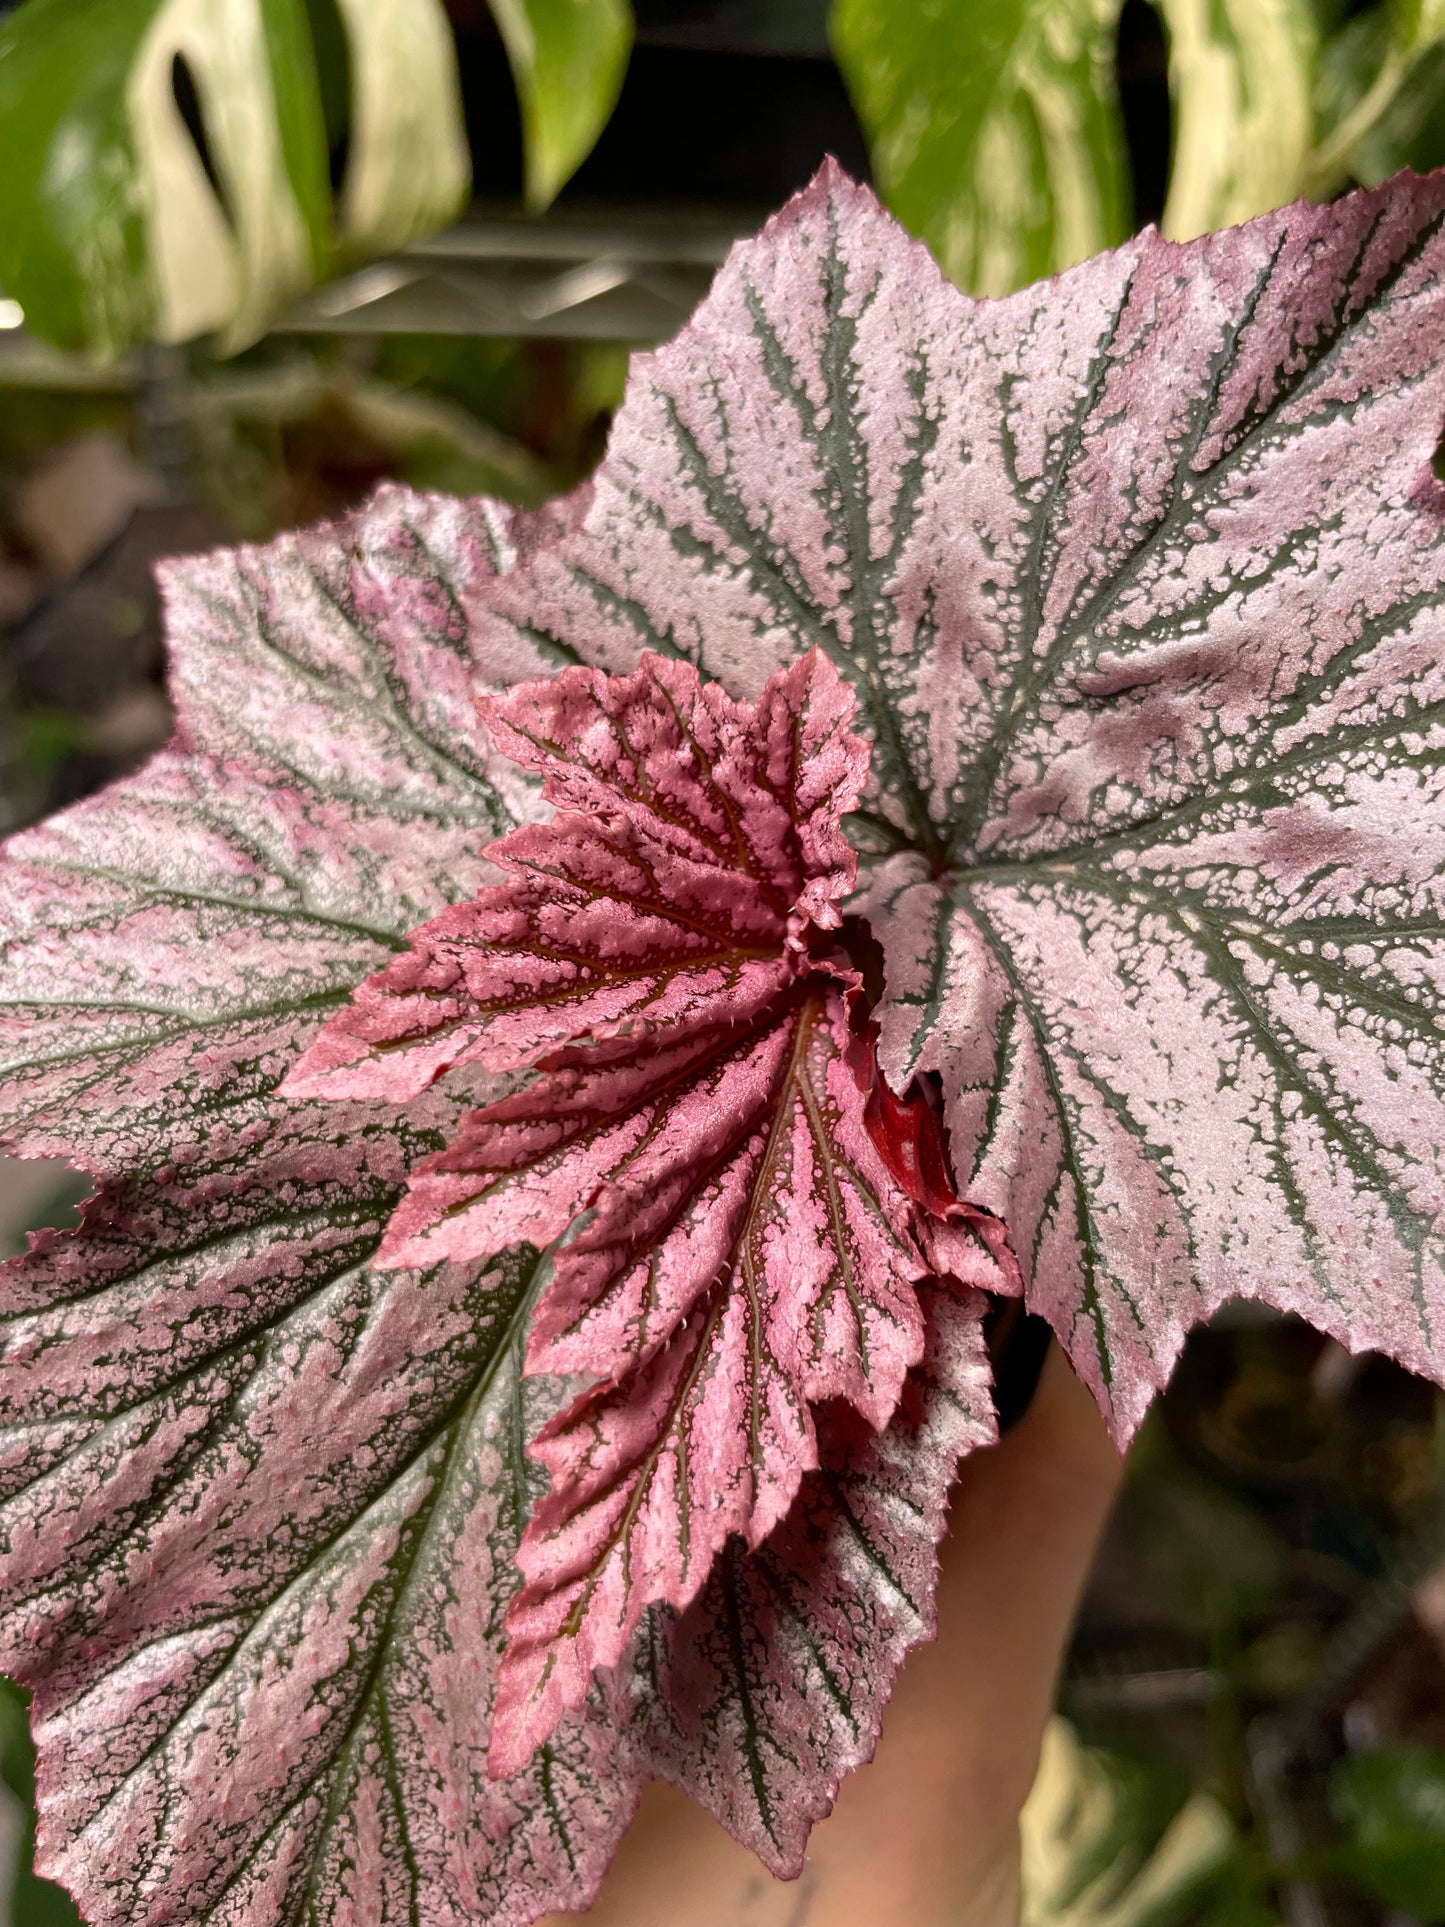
point(927, 1835)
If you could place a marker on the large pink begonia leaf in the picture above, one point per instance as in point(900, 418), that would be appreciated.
point(259, 1499)
point(658, 950)
point(1139, 576)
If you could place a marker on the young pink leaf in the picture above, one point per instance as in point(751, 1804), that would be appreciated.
point(748, 1262)
point(1138, 575)
point(749, 1253)
point(259, 1501)
point(700, 843)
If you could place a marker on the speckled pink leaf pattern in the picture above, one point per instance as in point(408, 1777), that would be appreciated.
point(755, 1261)
point(773, 1683)
point(259, 1501)
point(698, 845)
point(661, 951)
point(257, 1577)
point(1138, 575)
point(328, 787)
point(266, 1605)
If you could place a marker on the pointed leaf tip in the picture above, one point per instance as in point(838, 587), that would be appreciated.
point(775, 1679)
point(700, 842)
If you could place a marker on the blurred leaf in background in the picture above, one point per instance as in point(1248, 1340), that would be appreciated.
point(1391, 1802)
point(1114, 1841)
point(568, 59)
point(116, 225)
point(994, 128)
point(1380, 95)
point(1240, 73)
point(996, 134)
point(408, 170)
point(169, 163)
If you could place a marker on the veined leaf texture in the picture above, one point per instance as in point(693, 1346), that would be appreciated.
point(1138, 575)
point(661, 951)
point(1135, 578)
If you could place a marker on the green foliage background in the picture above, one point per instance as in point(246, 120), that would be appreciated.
point(994, 125)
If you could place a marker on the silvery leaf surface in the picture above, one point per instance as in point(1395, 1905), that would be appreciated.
point(328, 786)
point(261, 1500)
point(260, 1497)
point(1138, 576)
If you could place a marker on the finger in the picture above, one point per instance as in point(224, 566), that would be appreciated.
point(1024, 1522)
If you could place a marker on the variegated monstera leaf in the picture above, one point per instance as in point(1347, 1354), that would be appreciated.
point(1138, 575)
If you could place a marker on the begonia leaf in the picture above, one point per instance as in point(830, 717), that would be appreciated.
point(259, 1498)
point(299, 1549)
point(1138, 575)
point(327, 787)
point(261, 1507)
point(658, 952)
point(774, 1680)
